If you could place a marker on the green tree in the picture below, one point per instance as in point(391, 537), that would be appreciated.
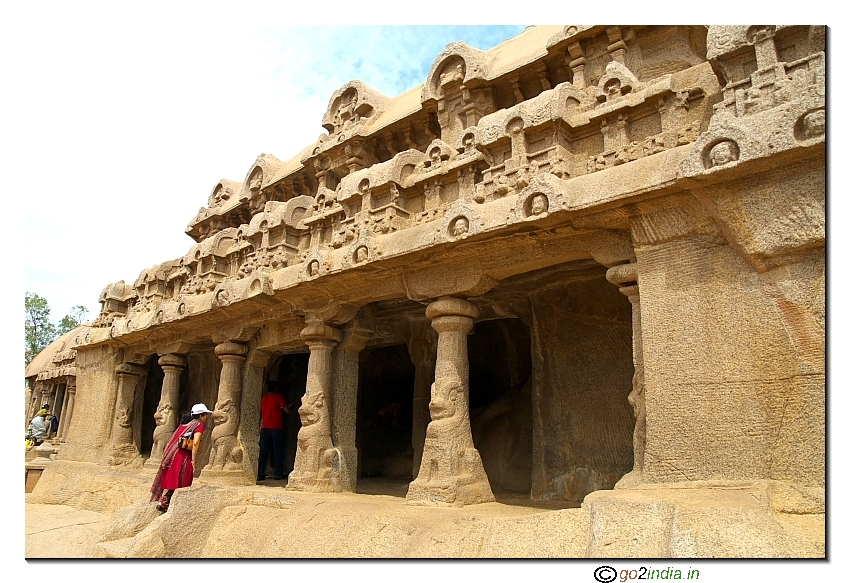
point(39, 331)
point(74, 318)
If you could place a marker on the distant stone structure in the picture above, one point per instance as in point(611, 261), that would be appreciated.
point(588, 259)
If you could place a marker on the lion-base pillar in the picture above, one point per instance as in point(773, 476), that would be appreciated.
point(227, 454)
point(166, 411)
point(451, 472)
point(317, 461)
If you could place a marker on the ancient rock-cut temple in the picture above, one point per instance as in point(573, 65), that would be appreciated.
point(585, 266)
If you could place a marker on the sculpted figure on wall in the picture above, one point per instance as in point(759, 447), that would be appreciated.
point(814, 123)
point(539, 204)
point(460, 227)
point(226, 451)
point(166, 421)
point(723, 153)
point(316, 461)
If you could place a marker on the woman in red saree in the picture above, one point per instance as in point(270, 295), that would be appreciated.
point(178, 460)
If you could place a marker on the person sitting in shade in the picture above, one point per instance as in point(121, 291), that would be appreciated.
point(38, 426)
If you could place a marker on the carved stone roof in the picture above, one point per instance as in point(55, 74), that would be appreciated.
point(43, 363)
point(554, 121)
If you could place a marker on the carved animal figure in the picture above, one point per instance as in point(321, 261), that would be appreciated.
point(166, 423)
point(226, 451)
point(451, 470)
point(317, 461)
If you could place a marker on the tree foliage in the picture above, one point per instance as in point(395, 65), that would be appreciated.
point(39, 331)
point(74, 318)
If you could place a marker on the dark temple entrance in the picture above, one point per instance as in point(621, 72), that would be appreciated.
point(290, 370)
point(500, 402)
point(385, 413)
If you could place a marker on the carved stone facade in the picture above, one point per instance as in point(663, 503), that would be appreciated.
point(431, 284)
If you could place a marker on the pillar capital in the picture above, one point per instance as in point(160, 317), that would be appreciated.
point(355, 339)
point(172, 360)
point(230, 349)
point(620, 275)
point(632, 292)
point(321, 334)
point(129, 369)
point(449, 306)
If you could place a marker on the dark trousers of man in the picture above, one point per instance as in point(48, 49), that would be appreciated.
point(271, 441)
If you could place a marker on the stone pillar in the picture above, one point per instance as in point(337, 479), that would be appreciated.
point(54, 397)
point(625, 276)
point(65, 421)
point(451, 472)
point(423, 352)
point(166, 415)
point(64, 411)
point(226, 455)
point(57, 406)
point(576, 63)
point(345, 381)
point(122, 446)
point(317, 461)
point(46, 392)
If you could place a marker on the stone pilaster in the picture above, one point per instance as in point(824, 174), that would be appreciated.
point(317, 461)
point(451, 472)
point(422, 347)
point(65, 399)
point(65, 420)
point(626, 276)
point(227, 454)
point(166, 415)
point(346, 368)
point(123, 450)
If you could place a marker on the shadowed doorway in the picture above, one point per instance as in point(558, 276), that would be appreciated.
point(385, 413)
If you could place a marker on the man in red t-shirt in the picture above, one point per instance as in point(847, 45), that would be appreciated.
point(272, 407)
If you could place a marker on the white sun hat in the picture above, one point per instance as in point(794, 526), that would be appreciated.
point(199, 409)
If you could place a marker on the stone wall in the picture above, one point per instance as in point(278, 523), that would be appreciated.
point(581, 338)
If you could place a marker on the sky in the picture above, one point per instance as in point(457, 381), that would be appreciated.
point(119, 118)
point(130, 126)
